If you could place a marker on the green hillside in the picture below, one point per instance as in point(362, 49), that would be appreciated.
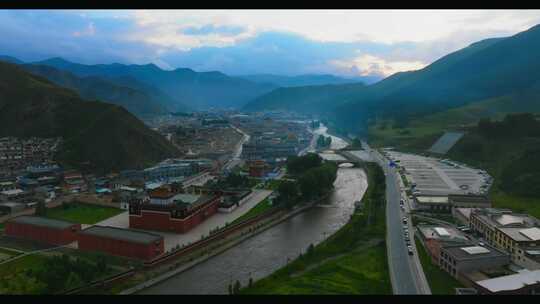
point(136, 101)
point(306, 99)
point(487, 69)
point(98, 136)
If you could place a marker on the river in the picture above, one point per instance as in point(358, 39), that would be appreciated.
point(264, 253)
point(336, 144)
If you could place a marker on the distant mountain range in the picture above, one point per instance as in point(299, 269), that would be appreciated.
point(97, 136)
point(197, 90)
point(488, 69)
point(307, 80)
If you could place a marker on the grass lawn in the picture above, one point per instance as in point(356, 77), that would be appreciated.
point(440, 282)
point(362, 272)
point(261, 207)
point(27, 262)
point(83, 213)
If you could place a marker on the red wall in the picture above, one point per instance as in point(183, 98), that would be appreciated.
point(161, 221)
point(43, 234)
point(119, 247)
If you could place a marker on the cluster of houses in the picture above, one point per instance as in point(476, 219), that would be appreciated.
point(16, 153)
point(496, 251)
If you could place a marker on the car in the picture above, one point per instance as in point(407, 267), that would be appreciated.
point(410, 251)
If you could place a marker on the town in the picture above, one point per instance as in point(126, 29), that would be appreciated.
point(152, 212)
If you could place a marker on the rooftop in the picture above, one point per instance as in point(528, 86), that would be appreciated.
point(505, 218)
point(42, 221)
point(532, 233)
point(511, 282)
point(12, 192)
point(187, 198)
point(122, 234)
point(432, 199)
point(473, 252)
point(522, 234)
point(442, 233)
point(508, 219)
point(475, 249)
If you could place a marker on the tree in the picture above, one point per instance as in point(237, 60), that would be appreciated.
point(288, 193)
point(310, 249)
point(73, 281)
point(41, 209)
point(237, 286)
point(230, 289)
point(250, 283)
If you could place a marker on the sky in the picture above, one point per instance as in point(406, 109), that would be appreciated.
point(347, 43)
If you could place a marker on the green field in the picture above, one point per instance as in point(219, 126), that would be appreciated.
point(261, 207)
point(351, 261)
point(440, 282)
point(83, 213)
point(362, 272)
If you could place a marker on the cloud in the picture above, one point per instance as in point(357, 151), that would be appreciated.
point(89, 31)
point(346, 42)
point(226, 30)
point(366, 65)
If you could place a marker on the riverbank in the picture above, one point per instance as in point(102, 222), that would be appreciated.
point(258, 256)
point(351, 261)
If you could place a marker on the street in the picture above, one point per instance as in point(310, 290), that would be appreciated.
point(406, 272)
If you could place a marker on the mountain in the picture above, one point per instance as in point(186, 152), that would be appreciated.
point(10, 59)
point(97, 136)
point(137, 102)
point(483, 70)
point(306, 80)
point(199, 90)
point(308, 99)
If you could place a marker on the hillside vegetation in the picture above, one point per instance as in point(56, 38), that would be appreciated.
point(306, 99)
point(137, 102)
point(97, 136)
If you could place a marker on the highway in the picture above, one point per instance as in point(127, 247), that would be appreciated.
point(406, 271)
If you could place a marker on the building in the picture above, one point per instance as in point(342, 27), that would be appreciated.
point(11, 207)
point(432, 203)
point(168, 171)
point(517, 234)
point(469, 201)
point(460, 260)
point(434, 237)
point(463, 215)
point(43, 230)
point(74, 182)
point(8, 185)
point(14, 194)
point(257, 168)
point(233, 199)
point(123, 242)
point(172, 212)
point(524, 283)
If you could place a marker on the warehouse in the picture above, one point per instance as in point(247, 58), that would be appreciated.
point(50, 231)
point(122, 242)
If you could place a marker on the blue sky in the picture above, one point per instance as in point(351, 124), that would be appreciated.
point(289, 42)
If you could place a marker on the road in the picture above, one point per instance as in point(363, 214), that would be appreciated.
point(235, 159)
point(406, 272)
